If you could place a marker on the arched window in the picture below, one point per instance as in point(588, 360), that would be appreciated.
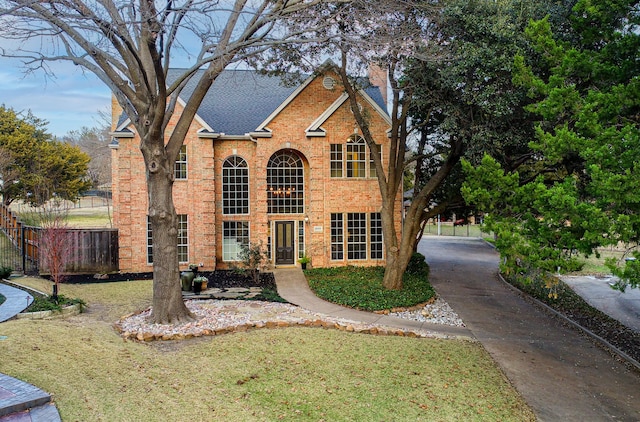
point(356, 156)
point(285, 184)
point(235, 186)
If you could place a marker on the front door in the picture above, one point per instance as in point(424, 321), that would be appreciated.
point(284, 242)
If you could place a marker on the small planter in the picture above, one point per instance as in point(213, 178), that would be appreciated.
point(304, 261)
point(197, 288)
point(186, 278)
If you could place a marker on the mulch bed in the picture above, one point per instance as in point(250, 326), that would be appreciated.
point(222, 279)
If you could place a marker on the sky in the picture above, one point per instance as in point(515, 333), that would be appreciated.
point(68, 101)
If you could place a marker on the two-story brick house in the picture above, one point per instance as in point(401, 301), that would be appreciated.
point(263, 162)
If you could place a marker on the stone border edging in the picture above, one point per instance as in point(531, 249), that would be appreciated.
point(586, 331)
point(318, 323)
point(70, 310)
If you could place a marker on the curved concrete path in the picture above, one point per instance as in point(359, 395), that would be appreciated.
point(561, 374)
point(16, 301)
point(20, 401)
point(293, 287)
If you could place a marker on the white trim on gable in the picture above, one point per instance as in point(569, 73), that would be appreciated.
point(315, 129)
point(294, 94)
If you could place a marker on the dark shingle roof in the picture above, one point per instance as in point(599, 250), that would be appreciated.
point(240, 100)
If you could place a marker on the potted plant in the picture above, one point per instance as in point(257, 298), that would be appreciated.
point(304, 261)
point(187, 276)
point(199, 284)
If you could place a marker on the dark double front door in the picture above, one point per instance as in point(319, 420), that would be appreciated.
point(285, 237)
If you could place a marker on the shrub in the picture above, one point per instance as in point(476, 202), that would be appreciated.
point(50, 304)
point(5, 272)
point(418, 265)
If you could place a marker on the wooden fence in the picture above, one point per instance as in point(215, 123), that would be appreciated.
point(90, 250)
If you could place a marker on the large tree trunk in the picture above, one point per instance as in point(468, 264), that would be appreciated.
point(168, 305)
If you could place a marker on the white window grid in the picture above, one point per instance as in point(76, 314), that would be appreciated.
point(235, 236)
point(180, 168)
point(235, 186)
point(285, 184)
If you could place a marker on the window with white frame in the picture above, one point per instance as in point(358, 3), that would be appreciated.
point(301, 239)
point(235, 236)
point(235, 186)
point(336, 160)
point(375, 240)
point(180, 168)
point(352, 161)
point(356, 156)
point(183, 239)
point(285, 184)
point(356, 235)
point(337, 236)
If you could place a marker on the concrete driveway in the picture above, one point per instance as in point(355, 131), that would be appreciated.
point(597, 292)
point(561, 374)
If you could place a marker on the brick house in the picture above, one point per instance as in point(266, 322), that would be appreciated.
point(263, 162)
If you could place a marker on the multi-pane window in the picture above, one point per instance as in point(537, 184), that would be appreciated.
point(300, 239)
point(336, 160)
point(372, 166)
point(235, 235)
point(180, 168)
point(183, 239)
point(149, 242)
point(235, 186)
point(376, 236)
point(337, 236)
point(285, 184)
point(356, 235)
point(356, 163)
point(356, 153)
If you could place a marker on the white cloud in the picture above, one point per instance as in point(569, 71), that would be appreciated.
point(68, 101)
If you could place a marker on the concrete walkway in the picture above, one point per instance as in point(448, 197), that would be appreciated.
point(561, 374)
point(20, 401)
point(17, 301)
point(293, 287)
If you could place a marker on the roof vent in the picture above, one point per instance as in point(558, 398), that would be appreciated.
point(328, 82)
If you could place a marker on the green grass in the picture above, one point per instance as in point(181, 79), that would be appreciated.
point(361, 288)
point(594, 265)
point(301, 374)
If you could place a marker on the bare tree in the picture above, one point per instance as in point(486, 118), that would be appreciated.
point(55, 248)
point(386, 34)
point(130, 46)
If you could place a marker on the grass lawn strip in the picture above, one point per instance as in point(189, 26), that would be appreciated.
point(302, 374)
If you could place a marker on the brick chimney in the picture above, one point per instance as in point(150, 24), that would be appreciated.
point(378, 77)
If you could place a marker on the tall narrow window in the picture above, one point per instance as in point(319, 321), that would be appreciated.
point(376, 236)
point(235, 235)
point(356, 156)
point(300, 239)
point(337, 236)
point(149, 242)
point(372, 165)
point(356, 235)
point(180, 168)
point(235, 186)
point(285, 184)
point(336, 160)
point(183, 239)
